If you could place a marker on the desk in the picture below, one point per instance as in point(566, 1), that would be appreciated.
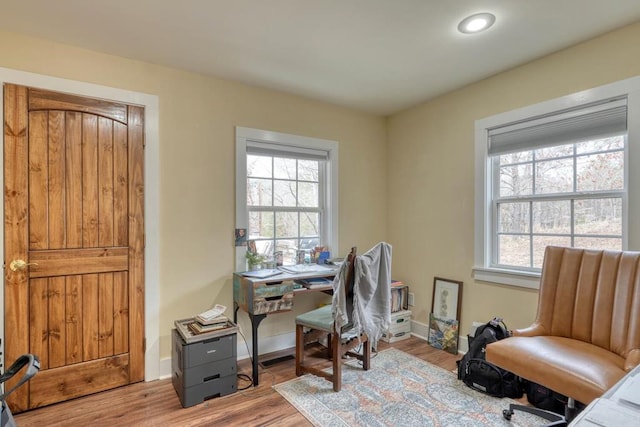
point(271, 295)
point(609, 410)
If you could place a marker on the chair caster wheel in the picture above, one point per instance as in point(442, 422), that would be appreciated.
point(506, 413)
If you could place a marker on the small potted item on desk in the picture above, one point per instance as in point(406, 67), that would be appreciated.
point(255, 261)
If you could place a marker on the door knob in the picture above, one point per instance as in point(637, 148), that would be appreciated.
point(20, 264)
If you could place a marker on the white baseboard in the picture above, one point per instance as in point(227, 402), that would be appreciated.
point(165, 368)
point(420, 330)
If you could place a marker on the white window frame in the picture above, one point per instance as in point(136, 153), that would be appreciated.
point(329, 219)
point(484, 224)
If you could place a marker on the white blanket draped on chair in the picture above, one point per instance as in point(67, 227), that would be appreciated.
point(371, 294)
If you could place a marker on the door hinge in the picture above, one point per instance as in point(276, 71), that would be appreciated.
point(144, 345)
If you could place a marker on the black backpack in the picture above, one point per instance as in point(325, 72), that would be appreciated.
point(481, 375)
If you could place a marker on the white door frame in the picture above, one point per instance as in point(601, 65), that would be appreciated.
point(151, 195)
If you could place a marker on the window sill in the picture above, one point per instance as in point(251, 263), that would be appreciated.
point(507, 277)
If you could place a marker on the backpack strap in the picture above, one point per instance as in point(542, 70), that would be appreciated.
point(498, 324)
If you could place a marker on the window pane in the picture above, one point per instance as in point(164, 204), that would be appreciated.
point(259, 192)
point(513, 250)
point(286, 224)
point(516, 180)
point(513, 217)
point(265, 247)
point(522, 156)
point(604, 171)
point(284, 193)
point(309, 224)
point(611, 244)
point(284, 168)
point(260, 225)
point(598, 216)
point(554, 176)
point(259, 166)
point(288, 249)
point(552, 217)
point(308, 170)
point(553, 152)
point(613, 143)
point(541, 242)
point(308, 195)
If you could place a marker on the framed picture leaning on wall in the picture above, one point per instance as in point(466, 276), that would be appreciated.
point(445, 314)
point(447, 298)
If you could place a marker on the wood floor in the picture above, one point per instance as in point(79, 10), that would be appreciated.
point(155, 403)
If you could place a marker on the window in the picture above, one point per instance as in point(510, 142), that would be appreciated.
point(565, 195)
point(286, 193)
point(556, 173)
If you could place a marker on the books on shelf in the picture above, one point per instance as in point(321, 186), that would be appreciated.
point(399, 296)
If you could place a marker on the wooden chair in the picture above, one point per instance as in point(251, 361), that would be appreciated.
point(314, 324)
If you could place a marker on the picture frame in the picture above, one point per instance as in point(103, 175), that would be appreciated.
point(443, 333)
point(241, 237)
point(446, 302)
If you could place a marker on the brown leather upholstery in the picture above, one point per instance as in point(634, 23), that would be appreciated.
point(586, 335)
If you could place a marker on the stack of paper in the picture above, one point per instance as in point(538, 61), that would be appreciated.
point(306, 268)
point(629, 392)
point(604, 412)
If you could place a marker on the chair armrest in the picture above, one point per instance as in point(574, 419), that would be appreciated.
point(632, 360)
point(532, 331)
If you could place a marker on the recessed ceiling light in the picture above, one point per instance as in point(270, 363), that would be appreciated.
point(476, 23)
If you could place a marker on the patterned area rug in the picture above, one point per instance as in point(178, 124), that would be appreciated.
point(399, 389)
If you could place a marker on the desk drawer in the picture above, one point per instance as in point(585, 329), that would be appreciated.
point(273, 303)
point(272, 297)
point(270, 290)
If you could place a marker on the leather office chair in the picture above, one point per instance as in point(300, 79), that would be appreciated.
point(310, 326)
point(586, 335)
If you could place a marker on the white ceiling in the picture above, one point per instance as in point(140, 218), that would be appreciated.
point(379, 56)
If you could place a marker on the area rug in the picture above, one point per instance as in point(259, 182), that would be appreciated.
point(399, 389)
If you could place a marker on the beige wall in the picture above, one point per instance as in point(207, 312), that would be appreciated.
point(431, 170)
point(417, 164)
point(197, 189)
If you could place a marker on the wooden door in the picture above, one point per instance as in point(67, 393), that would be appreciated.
point(73, 178)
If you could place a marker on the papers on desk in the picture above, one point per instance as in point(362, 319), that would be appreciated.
point(629, 392)
point(262, 274)
point(608, 413)
point(306, 268)
point(619, 407)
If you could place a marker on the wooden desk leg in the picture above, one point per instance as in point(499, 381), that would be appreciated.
point(255, 322)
